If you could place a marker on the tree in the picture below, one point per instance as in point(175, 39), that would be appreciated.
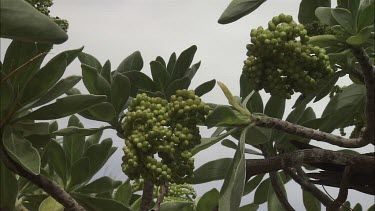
point(157, 117)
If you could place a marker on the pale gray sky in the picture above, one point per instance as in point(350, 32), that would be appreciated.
point(116, 28)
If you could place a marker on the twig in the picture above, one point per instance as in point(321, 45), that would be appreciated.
point(308, 186)
point(306, 132)
point(148, 189)
point(368, 71)
point(163, 190)
point(343, 193)
point(22, 66)
point(41, 181)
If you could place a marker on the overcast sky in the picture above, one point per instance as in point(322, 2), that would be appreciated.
point(116, 28)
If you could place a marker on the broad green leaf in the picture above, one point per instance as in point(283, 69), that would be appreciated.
point(133, 62)
point(205, 87)
point(357, 207)
point(171, 63)
point(344, 18)
point(211, 171)
point(372, 208)
point(80, 172)
point(45, 78)
point(101, 185)
point(141, 80)
point(307, 8)
point(50, 204)
point(326, 87)
point(161, 61)
point(351, 5)
point(8, 188)
point(21, 151)
point(57, 159)
point(101, 112)
point(249, 207)
point(252, 184)
point(94, 82)
point(66, 106)
point(325, 16)
point(232, 190)
point(327, 40)
point(38, 128)
point(177, 205)
point(238, 9)
point(77, 131)
point(182, 83)
point(224, 116)
point(193, 70)
point(98, 155)
point(160, 75)
point(208, 201)
point(20, 21)
point(34, 201)
point(183, 63)
point(120, 92)
point(231, 144)
point(258, 135)
point(124, 193)
point(365, 14)
point(310, 202)
point(93, 139)
point(90, 60)
point(273, 203)
point(361, 37)
point(261, 194)
point(99, 204)
point(207, 142)
point(275, 107)
point(137, 204)
point(73, 144)
point(106, 72)
point(255, 103)
point(57, 90)
point(7, 96)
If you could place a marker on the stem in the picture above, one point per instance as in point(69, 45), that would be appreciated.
point(163, 190)
point(148, 189)
point(343, 193)
point(41, 181)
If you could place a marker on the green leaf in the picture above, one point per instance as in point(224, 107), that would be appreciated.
point(137, 204)
point(232, 190)
point(171, 63)
point(207, 142)
point(101, 185)
point(273, 201)
point(124, 193)
point(224, 116)
point(177, 205)
point(106, 72)
point(252, 184)
point(77, 131)
point(50, 204)
point(28, 128)
point(21, 151)
point(45, 78)
point(20, 21)
point(351, 5)
point(160, 75)
point(372, 208)
point(57, 90)
point(261, 194)
point(208, 201)
point(182, 83)
point(230, 144)
point(80, 172)
point(327, 40)
point(66, 106)
point(327, 86)
point(183, 63)
point(193, 70)
point(161, 61)
point(361, 37)
point(344, 18)
point(255, 103)
point(238, 9)
point(211, 171)
point(357, 207)
point(249, 207)
point(307, 8)
point(73, 144)
point(275, 107)
point(310, 202)
point(120, 92)
point(8, 188)
point(141, 80)
point(258, 135)
point(98, 155)
point(7, 96)
point(93, 139)
point(94, 82)
point(205, 87)
point(89, 60)
point(57, 159)
point(99, 204)
point(133, 62)
point(365, 14)
point(101, 112)
point(325, 16)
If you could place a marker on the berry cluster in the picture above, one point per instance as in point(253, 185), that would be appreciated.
point(281, 62)
point(180, 192)
point(159, 135)
point(318, 28)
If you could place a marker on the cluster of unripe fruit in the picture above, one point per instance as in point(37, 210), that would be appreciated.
point(281, 62)
point(159, 134)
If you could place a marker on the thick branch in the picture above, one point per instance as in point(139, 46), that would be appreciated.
point(308, 186)
point(148, 190)
point(368, 71)
point(43, 182)
point(305, 132)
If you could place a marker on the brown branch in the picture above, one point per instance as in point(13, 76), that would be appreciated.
point(41, 181)
point(163, 190)
point(368, 71)
point(306, 132)
point(302, 180)
point(148, 190)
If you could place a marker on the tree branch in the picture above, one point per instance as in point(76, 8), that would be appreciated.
point(368, 71)
point(148, 190)
point(163, 190)
point(41, 181)
point(306, 132)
